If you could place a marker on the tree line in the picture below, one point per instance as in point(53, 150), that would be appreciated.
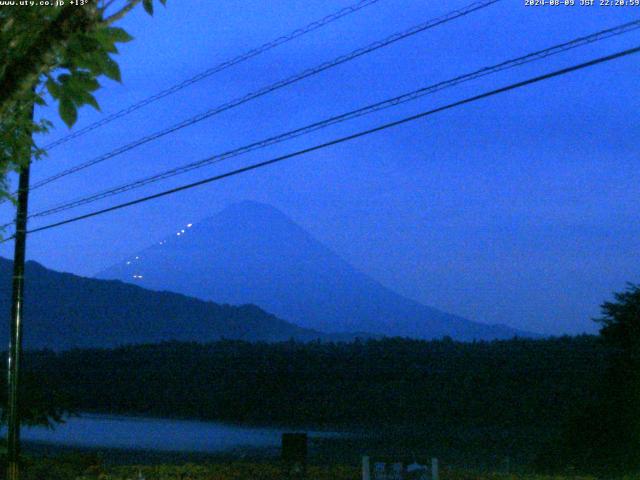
point(362, 384)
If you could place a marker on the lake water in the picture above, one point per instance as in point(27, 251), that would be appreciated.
point(102, 431)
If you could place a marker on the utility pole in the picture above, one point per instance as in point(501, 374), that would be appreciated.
point(15, 342)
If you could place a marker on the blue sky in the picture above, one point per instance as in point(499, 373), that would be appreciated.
point(519, 209)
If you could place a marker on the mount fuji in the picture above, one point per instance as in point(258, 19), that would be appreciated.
point(251, 253)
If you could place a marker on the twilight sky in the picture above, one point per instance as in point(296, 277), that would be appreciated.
point(520, 209)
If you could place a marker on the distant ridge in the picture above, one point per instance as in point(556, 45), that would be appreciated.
point(64, 311)
point(253, 253)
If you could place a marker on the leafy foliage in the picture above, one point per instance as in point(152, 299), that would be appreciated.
point(604, 434)
point(621, 322)
point(43, 402)
point(59, 51)
point(16, 144)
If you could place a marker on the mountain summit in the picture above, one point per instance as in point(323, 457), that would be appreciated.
point(253, 253)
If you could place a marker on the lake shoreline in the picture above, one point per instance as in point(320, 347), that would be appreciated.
point(134, 440)
point(323, 428)
point(136, 456)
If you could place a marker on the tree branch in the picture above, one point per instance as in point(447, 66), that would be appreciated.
point(121, 13)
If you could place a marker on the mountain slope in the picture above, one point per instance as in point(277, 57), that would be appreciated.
point(64, 311)
point(252, 253)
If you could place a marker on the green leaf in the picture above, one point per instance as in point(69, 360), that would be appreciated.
point(63, 78)
point(91, 100)
point(106, 43)
point(87, 42)
point(68, 111)
point(40, 101)
point(107, 37)
point(112, 70)
point(83, 81)
point(94, 63)
point(118, 35)
point(148, 6)
point(53, 87)
point(86, 98)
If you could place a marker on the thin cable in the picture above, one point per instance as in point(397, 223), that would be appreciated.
point(522, 60)
point(275, 86)
point(354, 136)
point(213, 70)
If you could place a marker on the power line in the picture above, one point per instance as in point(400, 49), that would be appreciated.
point(354, 136)
point(213, 70)
point(522, 60)
point(275, 86)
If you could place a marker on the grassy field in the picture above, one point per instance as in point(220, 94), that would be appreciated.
point(238, 471)
point(90, 467)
